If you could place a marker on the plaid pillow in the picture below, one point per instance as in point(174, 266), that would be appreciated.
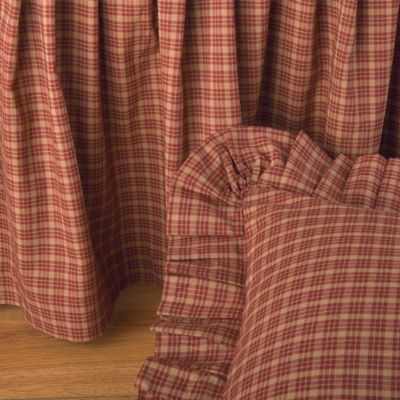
point(322, 310)
point(283, 274)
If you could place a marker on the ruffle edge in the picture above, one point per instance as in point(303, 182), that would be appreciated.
point(203, 293)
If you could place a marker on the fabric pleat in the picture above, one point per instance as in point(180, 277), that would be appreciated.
point(305, 166)
point(82, 148)
point(364, 180)
point(198, 65)
point(203, 294)
point(332, 183)
point(323, 56)
point(101, 103)
point(390, 141)
point(389, 194)
point(204, 290)
point(47, 247)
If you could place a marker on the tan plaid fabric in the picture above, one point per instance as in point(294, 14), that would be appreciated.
point(82, 147)
point(101, 101)
point(282, 279)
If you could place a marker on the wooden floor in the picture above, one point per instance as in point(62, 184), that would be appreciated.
point(36, 366)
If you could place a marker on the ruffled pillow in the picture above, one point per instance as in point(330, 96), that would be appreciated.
point(256, 218)
point(322, 306)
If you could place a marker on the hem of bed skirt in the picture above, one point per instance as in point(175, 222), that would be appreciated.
point(83, 333)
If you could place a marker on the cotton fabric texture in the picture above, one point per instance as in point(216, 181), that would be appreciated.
point(283, 275)
point(102, 101)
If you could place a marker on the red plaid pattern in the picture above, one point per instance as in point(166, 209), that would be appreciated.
point(82, 141)
point(332, 183)
point(327, 69)
point(389, 195)
point(198, 348)
point(304, 167)
point(317, 314)
point(364, 181)
point(203, 292)
point(102, 102)
point(321, 318)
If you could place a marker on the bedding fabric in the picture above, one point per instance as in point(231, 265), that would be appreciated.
point(283, 274)
point(102, 101)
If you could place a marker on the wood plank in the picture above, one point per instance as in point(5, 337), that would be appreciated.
point(128, 397)
point(36, 366)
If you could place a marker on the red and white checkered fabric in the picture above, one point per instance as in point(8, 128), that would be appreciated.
point(102, 101)
point(82, 148)
point(203, 292)
point(283, 276)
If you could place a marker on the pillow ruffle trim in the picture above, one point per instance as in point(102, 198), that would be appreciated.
point(203, 293)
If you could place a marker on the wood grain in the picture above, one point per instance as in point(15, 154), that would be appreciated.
point(36, 366)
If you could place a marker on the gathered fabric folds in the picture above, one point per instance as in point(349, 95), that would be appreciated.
point(81, 176)
point(204, 287)
point(101, 102)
